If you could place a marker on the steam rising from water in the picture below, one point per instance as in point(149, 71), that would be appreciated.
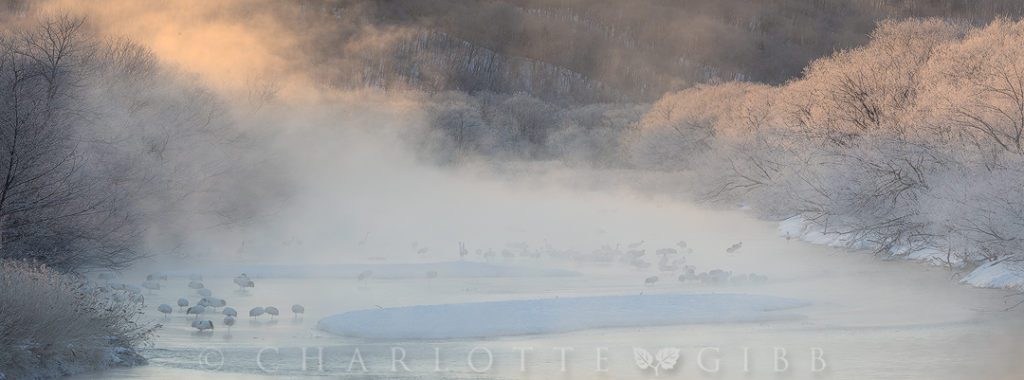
point(346, 166)
point(225, 43)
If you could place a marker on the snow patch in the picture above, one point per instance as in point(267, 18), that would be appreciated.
point(808, 231)
point(556, 315)
point(1003, 274)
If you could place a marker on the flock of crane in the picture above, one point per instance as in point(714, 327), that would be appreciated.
point(689, 272)
point(671, 261)
point(209, 303)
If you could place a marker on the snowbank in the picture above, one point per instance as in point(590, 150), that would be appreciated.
point(458, 269)
point(1003, 274)
point(557, 315)
point(801, 228)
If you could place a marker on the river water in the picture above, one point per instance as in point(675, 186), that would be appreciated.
point(870, 318)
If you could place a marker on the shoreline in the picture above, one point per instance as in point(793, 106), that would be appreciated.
point(1003, 274)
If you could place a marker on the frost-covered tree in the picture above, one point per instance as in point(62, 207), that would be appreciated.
point(101, 149)
point(975, 88)
point(913, 140)
point(50, 208)
point(680, 126)
point(459, 119)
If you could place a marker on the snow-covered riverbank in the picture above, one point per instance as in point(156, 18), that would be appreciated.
point(1007, 273)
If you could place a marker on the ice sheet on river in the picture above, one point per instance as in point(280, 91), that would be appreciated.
point(444, 269)
point(556, 315)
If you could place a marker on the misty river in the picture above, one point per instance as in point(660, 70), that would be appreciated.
point(869, 317)
point(511, 189)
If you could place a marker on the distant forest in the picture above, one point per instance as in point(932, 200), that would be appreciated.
point(582, 51)
point(586, 51)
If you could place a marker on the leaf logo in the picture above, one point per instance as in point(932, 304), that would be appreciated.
point(666, 358)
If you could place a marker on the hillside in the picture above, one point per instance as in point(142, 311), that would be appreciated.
point(597, 51)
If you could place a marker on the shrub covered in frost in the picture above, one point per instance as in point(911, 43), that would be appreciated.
point(54, 324)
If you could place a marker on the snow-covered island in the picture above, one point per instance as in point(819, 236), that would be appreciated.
point(556, 315)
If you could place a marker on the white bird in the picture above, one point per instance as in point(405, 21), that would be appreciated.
point(182, 302)
point(229, 321)
point(197, 309)
point(212, 302)
point(739, 279)
point(298, 309)
point(205, 292)
point(151, 285)
point(272, 311)
point(666, 251)
point(126, 287)
point(688, 276)
point(640, 264)
point(195, 284)
point(205, 324)
point(217, 302)
point(362, 242)
point(229, 311)
point(256, 311)
point(717, 276)
point(637, 253)
point(666, 267)
point(165, 308)
point(243, 282)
